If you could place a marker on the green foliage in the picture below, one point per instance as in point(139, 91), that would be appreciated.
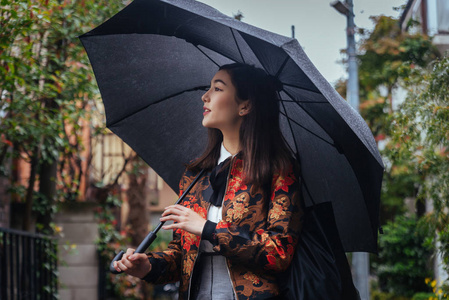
point(421, 137)
point(378, 295)
point(400, 181)
point(444, 248)
point(385, 49)
point(51, 255)
point(46, 89)
point(161, 242)
point(110, 239)
point(109, 243)
point(423, 296)
point(404, 254)
point(388, 54)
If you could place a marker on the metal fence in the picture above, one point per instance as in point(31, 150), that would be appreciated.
point(28, 266)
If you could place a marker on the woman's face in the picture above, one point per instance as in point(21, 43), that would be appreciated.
point(221, 109)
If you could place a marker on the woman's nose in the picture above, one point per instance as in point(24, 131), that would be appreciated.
point(205, 97)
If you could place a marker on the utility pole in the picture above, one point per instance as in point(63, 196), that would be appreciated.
point(360, 260)
point(353, 78)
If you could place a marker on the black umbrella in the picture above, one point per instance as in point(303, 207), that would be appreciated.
point(152, 62)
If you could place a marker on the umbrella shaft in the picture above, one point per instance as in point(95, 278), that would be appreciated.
point(153, 234)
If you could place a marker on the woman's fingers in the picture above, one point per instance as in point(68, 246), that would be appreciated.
point(172, 226)
point(138, 258)
point(183, 218)
point(125, 257)
point(178, 207)
point(129, 251)
point(172, 217)
point(176, 210)
point(176, 213)
point(116, 266)
point(135, 264)
point(124, 263)
point(122, 266)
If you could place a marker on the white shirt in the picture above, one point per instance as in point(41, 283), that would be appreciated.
point(215, 212)
point(215, 281)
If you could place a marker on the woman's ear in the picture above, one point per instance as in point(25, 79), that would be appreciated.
point(244, 108)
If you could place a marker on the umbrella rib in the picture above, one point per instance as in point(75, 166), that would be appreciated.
point(308, 130)
point(303, 180)
point(298, 157)
point(334, 145)
point(237, 44)
point(301, 88)
point(291, 130)
point(303, 101)
point(257, 56)
point(207, 55)
point(282, 67)
point(204, 87)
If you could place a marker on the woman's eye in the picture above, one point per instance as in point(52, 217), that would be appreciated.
point(217, 89)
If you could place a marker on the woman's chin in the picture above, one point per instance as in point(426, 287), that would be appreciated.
point(207, 124)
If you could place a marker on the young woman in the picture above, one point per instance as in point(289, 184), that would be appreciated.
point(240, 224)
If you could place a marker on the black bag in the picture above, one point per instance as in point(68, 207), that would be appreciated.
point(319, 269)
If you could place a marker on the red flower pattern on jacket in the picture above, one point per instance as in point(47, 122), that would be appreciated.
point(282, 183)
point(223, 224)
point(276, 249)
point(236, 180)
point(189, 239)
point(200, 210)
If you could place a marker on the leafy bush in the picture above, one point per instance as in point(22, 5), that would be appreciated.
point(420, 137)
point(378, 295)
point(403, 258)
point(423, 296)
point(109, 243)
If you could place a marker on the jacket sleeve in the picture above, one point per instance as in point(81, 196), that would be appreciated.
point(271, 246)
point(166, 265)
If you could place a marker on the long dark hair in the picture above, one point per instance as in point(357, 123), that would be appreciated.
point(263, 148)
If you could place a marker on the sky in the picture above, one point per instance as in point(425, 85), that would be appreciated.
point(319, 28)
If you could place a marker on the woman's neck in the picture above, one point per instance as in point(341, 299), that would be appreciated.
point(231, 143)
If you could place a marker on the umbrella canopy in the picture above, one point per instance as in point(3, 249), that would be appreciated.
point(152, 62)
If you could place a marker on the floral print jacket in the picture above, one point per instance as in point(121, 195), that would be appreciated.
point(257, 236)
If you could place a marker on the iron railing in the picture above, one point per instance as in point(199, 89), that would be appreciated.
point(28, 266)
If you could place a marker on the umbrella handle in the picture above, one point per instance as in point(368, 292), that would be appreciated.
point(147, 241)
point(153, 234)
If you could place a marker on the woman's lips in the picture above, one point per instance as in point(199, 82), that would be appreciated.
point(206, 111)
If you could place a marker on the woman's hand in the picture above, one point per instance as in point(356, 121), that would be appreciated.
point(184, 218)
point(134, 264)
